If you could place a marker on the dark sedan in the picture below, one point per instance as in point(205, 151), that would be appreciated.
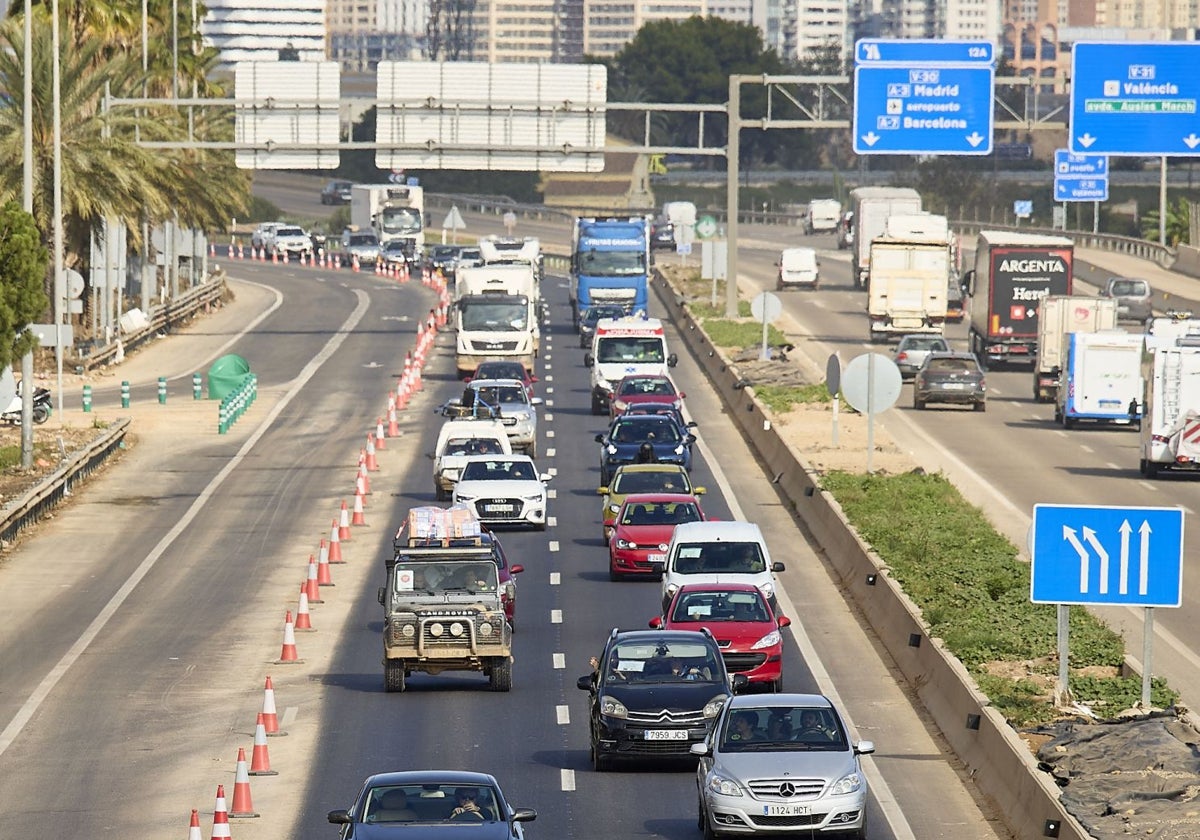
point(622, 443)
point(409, 804)
point(950, 378)
point(587, 323)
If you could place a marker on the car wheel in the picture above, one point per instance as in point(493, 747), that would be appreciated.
point(918, 403)
point(777, 686)
point(440, 494)
point(531, 449)
point(393, 675)
point(600, 762)
point(613, 574)
point(707, 827)
point(539, 526)
point(501, 678)
point(1067, 422)
point(597, 406)
point(980, 406)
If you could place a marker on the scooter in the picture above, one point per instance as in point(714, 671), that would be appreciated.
point(41, 407)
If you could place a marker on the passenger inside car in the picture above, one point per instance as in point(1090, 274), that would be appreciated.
point(391, 805)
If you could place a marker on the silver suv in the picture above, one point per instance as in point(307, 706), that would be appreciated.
point(781, 764)
point(1133, 298)
point(361, 244)
point(518, 410)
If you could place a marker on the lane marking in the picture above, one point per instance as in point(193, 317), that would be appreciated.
point(551, 452)
point(555, 578)
point(548, 417)
point(553, 471)
point(551, 494)
point(1086, 448)
point(551, 521)
point(560, 661)
point(549, 433)
point(1148, 485)
point(289, 716)
point(556, 616)
point(563, 715)
point(554, 545)
point(1113, 466)
point(567, 780)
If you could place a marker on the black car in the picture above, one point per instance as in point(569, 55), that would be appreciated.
point(662, 236)
point(950, 378)
point(654, 693)
point(336, 192)
point(443, 258)
point(622, 443)
point(587, 322)
point(458, 803)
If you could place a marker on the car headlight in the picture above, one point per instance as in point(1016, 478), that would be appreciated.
point(849, 783)
point(613, 708)
point(603, 384)
point(611, 450)
point(672, 588)
point(770, 640)
point(626, 544)
point(713, 707)
point(614, 509)
point(724, 786)
point(679, 449)
point(536, 497)
point(460, 499)
point(768, 589)
point(620, 405)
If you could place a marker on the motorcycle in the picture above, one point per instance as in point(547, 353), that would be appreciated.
point(41, 407)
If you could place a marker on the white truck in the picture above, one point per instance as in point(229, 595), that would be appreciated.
point(908, 284)
point(1101, 378)
point(823, 215)
point(392, 211)
point(1170, 437)
point(495, 326)
point(1060, 316)
point(871, 207)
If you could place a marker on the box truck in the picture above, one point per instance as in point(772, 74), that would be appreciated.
point(871, 207)
point(1060, 316)
point(391, 211)
point(1101, 378)
point(1170, 439)
point(910, 277)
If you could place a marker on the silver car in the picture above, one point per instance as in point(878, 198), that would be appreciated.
point(911, 352)
point(518, 410)
point(781, 764)
point(1133, 296)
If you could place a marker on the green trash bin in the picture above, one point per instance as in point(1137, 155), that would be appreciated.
point(226, 375)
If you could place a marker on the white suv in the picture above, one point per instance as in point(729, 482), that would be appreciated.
point(718, 552)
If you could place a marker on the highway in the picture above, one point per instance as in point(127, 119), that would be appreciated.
point(143, 619)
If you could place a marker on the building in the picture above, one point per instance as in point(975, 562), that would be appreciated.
point(608, 25)
point(257, 30)
point(812, 24)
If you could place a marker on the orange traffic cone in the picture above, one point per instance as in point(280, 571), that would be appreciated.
point(288, 654)
point(380, 435)
point(268, 714)
point(260, 758)
point(362, 473)
point(393, 429)
point(194, 827)
point(335, 545)
point(220, 816)
point(370, 459)
point(344, 522)
point(242, 806)
point(312, 585)
point(358, 519)
point(324, 578)
point(303, 621)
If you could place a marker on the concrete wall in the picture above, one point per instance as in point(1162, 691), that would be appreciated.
point(1187, 260)
point(994, 756)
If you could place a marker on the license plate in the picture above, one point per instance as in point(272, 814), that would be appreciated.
point(666, 735)
point(953, 386)
point(500, 508)
point(785, 810)
point(657, 558)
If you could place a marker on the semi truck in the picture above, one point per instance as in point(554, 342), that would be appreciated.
point(392, 211)
point(908, 287)
point(1170, 438)
point(610, 263)
point(1061, 315)
point(495, 326)
point(871, 207)
point(1013, 274)
point(1101, 378)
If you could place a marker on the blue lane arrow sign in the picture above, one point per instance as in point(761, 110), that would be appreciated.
point(1107, 555)
point(1135, 98)
point(923, 110)
point(916, 51)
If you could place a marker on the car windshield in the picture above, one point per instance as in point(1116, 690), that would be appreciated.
point(1129, 288)
point(660, 661)
point(726, 557)
point(432, 803)
point(950, 366)
point(646, 429)
point(363, 239)
point(659, 513)
point(502, 395)
point(493, 316)
point(435, 578)
point(472, 446)
point(289, 231)
point(612, 263)
point(650, 481)
point(626, 349)
point(782, 728)
point(643, 386)
point(707, 607)
point(594, 314)
point(498, 471)
point(500, 370)
point(923, 343)
point(401, 220)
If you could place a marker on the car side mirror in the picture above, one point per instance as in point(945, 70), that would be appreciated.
point(600, 438)
point(382, 594)
point(776, 566)
point(584, 683)
point(699, 748)
point(739, 683)
point(545, 478)
point(656, 623)
point(784, 621)
point(692, 424)
point(672, 360)
point(537, 401)
point(516, 570)
point(864, 747)
point(339, 817)
point(588, 360)
point(699, 491)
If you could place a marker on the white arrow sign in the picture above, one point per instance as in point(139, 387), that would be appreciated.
point(975, 138)
point(1086, 141)
point(1191, 141)
point(870, 138)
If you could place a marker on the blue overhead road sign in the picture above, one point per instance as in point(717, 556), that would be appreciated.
point(915, 51)
point(1135, 98)
point(923, 110)
point(1107, 555)
point(1080, 177)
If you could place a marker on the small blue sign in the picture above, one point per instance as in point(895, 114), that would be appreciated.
point(1068, 165)
point(1023, 209)
point(915, 51)
point(1081, 189)
point(1107, 555)
point(923, 110)
point(1135, 98)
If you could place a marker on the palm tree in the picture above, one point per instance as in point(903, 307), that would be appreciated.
point(1178, 218)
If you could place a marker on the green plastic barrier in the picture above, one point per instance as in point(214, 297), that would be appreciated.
point(226, 375)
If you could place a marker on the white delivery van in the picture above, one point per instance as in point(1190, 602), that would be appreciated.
point(718, 552)
point(823, 215)
point(798, 267)
point(460, 439)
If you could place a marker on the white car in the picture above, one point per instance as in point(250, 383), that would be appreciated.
point(264, 235)
point(503, 490)
point(718, 552)
point(459, 440)
point(291, 240)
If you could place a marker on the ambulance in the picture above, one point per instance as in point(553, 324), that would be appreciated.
point(625, 347)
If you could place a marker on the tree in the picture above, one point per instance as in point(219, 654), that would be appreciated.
point(1178, 219)
point(23, 261)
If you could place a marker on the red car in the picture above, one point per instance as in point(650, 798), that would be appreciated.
point(741, 620)
point(643, 388)
point(505, 370)
point(642, 529)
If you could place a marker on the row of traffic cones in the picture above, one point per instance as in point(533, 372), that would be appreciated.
point(401, 272)
point(318, 575)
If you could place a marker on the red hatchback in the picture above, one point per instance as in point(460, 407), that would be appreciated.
point(505, 370)
point(741, 620)
point(643, 388)
point(642, 529)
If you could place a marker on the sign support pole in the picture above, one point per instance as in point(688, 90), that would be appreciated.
point(1147, 654)
point(1063, 692)
point(870, 411)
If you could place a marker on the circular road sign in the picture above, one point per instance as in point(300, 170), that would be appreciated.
point(706, 227)
point(766, 307)
point(871, 383)
point(833, 374)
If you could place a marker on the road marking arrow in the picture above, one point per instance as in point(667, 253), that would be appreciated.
point(974, 138)
point(870, 138)
point(1086, 140)
point(1192, 141)
point(1069, 536)
point(1123, 583)
point(1090, 537)
point(1144, 572)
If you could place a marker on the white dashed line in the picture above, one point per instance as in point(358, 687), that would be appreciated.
point(548, 366)
point(553, 471)
point(1148, 485)
point(551, 452)
point(551, 494)
point(1086, 448)
point(556, 616)
point(563, 715)
point(1113, 466)
point(289, 716)
point(551, 521)
point(549, 433)
point(568, 779)
point(555, 578)
point(560, 661)
point(1060, 433)
point(554, 545)
point(549, 418)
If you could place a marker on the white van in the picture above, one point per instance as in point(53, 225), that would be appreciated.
point(457, 441)
point(718, 552)
point(798, 267)
point(823, 215)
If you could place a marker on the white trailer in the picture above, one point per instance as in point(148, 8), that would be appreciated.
point(1102, 378)
point(1061, 315)
point(1171, 409)
point(909, 287)
point(392, 211)
point(871, 207)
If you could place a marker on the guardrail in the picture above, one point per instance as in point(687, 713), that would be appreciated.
point(47, 495)
point(168, 313)
point(1140, 248)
